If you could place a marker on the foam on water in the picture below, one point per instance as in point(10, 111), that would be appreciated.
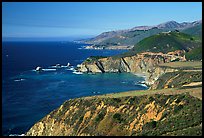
point(141, 84)
point(71, 69)
point(19, 80)
point(75, 72)
point(17, 135)
point(48, 69)
point(140, 75)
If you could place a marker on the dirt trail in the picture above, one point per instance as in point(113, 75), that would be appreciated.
point(193, 84)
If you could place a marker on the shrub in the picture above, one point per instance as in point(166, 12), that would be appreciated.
point(117, 117)
point(100, 116)
point(152, 124)
point(177, 108)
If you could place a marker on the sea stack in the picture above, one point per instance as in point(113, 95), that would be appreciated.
point(38, 69)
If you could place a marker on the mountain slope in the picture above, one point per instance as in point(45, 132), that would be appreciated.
point(103, 36)
point(195, 30)
point(170, 25)
point(129, 37)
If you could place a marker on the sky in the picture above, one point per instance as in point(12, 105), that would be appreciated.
point(44, 20)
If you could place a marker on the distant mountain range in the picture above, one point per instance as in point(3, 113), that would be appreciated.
point(130, 37)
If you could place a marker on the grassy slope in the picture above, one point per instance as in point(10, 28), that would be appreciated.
point(168, 42)
point(188, 73)
point(194, 54)
point(168, 80)
point(179, 64)
point(196, 92)
point(183, 65)
point(196, 30)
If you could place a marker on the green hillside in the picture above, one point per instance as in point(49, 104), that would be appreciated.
point(166, 42)
point(194, 54)
point(195, 30)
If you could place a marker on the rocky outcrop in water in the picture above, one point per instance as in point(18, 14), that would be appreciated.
point(143, 63)
point(38, 69)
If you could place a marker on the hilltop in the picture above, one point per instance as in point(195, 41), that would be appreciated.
point(169, 41)
point(166, 42)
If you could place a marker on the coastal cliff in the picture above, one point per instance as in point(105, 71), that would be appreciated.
point(142, 63)
point(125, 114)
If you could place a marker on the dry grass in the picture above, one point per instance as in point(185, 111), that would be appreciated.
point(179, 64)
point(196, 92)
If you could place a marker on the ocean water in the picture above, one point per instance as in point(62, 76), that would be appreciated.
point(27, 96)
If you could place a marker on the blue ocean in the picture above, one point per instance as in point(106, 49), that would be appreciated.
point(27, 96)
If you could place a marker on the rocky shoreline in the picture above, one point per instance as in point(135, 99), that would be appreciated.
point(144, 63)
point(109, 47)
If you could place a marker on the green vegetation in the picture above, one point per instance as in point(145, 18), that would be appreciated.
point(195, 30)
point(100, 116)
point(181, 79)
point(117, 117)
point(183, 118)
point(194, 54)
point(94, 58)
point(191, 131)
point(150, 125)
point(183, 65)
point(166, 42)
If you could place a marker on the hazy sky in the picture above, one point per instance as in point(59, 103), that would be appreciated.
point(81, 19)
